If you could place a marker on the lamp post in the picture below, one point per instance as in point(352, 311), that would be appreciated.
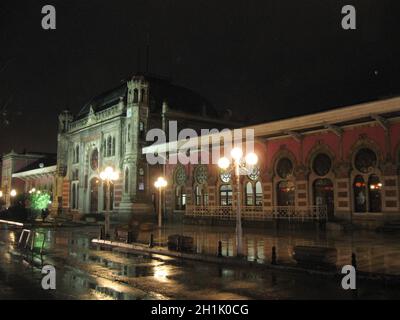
point(108, 176)
point(159, 184)
point(239, 163)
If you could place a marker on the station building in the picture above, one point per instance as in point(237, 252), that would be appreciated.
point(338, 165)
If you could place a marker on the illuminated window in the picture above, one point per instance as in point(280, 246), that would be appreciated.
point(360, 196)
point(249, 194)
point(285, 193)
point(225, 195)
point(259, 194)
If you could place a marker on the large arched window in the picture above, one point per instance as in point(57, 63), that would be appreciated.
point(374, 193)
point(259, 194)
point(135, 95)
point(323, 195)
point(285, 193)
point(360, 197)
point(180, 198)
point(249, 194)
point(367, 186)
point(197, 196)
point(225, 195)
point(94, 160)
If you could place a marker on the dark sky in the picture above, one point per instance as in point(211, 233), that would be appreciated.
point(266, 59)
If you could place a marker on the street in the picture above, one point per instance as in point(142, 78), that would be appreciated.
point(86, 271)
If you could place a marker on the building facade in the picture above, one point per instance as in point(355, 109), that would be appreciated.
point(341, 164)
point(110, 130)
point(23, 171)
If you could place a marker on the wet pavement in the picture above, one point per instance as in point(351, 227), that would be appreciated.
point(87, 271)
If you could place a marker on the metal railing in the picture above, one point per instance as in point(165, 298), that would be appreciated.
point(259, 213)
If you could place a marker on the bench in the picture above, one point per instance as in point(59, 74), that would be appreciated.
point(181, 243)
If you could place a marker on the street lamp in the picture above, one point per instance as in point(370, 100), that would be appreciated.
point(13, 193)
point(108, 176)
point(159, 184)
point(1, 194)
point(239, 163)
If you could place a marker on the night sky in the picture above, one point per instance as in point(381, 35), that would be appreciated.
point(263, 59)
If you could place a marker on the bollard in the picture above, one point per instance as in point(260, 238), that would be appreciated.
point(354, 260)
point(101, 233)
point(273, 257)
point(219, 248)
point(151, 243)
point(129, 237)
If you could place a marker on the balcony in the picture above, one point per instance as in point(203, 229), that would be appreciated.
point(259, 213)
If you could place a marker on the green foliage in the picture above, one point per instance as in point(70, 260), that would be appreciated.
point(39, 201)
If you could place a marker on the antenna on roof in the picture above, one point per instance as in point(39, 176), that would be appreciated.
point(147, 52)
point(138, 61)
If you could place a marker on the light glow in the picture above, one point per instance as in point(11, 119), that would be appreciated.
point(237, 153)
point(13, 193)
point(251, 159)
point(109, 174)
point(160, 182)
point(223, 163)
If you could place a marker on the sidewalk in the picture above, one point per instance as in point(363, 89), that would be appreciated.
point(377, 253)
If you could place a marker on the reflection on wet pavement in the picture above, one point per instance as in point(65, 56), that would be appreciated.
point(86, 271)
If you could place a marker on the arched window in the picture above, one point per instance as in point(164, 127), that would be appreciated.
point(225, 195)
point(284, 168)
point(323, 195)
point(197, 196)
point(94, 160)
point(180, 198)
point(129, 133)
point(126, 186)
point(374, 193)
point(113, 146)
point(105, 148)
point(249, 194)
point(109, 146)
point(142, 95)
point(365, 160)
point(322, 164)
point(135, 95)
point(285, 193)
point(74, 197)
point(360, 197)
point(259, 194)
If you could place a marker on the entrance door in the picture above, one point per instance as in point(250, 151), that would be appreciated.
point(94, 195)
point(323, 195)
